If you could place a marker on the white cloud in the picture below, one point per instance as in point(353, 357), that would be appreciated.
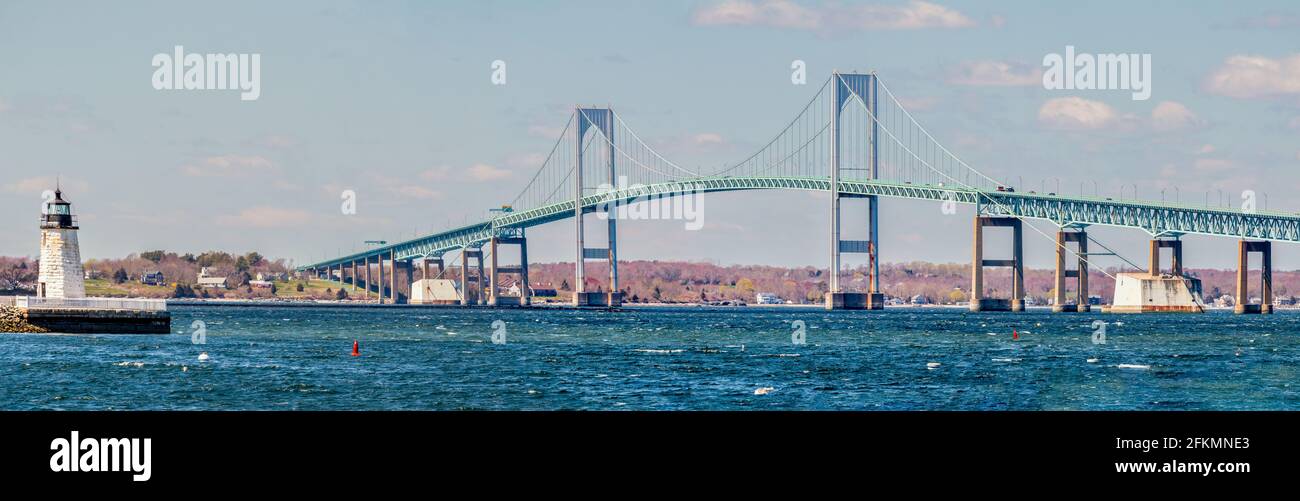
point(1208, 165)
point(479, 172)
point(915, 14)
point(402, 187)
point(1251, 77)
point(438, 173)
point(772, 13)
point(996, 73)
point(1274, 21)
point(275, 141)
point(1171, 115)
point(691, 144)
point(708, 138)
point(485, 172)
point(525, 161)
point(1076, 113)
point(918, 103)
point(229, 166)
point(36, 185)
point(416, 192)
point(266, 217)
point(545, 131)
point(1205, 150)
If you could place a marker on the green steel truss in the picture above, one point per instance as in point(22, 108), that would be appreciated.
point(1156, 218)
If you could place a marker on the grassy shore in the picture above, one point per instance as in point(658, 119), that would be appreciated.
point(288, 289)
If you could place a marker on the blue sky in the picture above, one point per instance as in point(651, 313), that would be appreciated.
point(394, 100)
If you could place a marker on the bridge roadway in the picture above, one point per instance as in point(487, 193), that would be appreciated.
point(1156, 218)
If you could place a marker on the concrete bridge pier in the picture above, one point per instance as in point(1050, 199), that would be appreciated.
point(379, 285)
point(1016, 263)
point(1176, 252)
point(836, 297)
point(424, 267)
point(1080, 274)
point(495, 270)
point(1265, 306)
point(403, 277)
point(468, 295)
point(365, 293)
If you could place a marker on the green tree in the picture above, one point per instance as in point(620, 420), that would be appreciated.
point(155, 255)
point(211, 258)
point(120, 276)
point(341, 295)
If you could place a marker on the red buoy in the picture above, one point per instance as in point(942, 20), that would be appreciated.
point(1014, 335)
point(356, 348)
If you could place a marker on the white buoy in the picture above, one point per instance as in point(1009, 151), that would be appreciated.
point(932, 365)
point(764, 390)
point(1092, 360)
point(203, 356)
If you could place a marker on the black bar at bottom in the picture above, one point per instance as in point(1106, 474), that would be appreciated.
point(230, 449)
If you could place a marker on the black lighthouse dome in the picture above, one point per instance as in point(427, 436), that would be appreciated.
point(58, 213)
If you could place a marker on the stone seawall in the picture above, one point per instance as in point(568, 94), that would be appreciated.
point(84, 321)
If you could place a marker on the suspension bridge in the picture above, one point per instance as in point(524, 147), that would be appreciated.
point(852, 139)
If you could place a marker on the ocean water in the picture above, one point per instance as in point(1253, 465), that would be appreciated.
point(276, 358)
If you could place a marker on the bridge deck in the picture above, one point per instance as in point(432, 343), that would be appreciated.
point(1156, 218)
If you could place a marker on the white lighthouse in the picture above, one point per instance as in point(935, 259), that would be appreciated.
point(61, 274)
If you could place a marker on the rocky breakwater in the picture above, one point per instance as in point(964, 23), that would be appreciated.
point(14, 319)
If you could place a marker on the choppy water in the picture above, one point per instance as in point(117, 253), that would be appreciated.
point(661, 358)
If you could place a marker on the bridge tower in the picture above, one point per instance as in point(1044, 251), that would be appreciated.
point(602, 119)
point(864, 87)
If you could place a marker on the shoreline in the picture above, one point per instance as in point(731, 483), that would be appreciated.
point(264, 303)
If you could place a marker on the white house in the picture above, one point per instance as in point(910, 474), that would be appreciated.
point(208, 281)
